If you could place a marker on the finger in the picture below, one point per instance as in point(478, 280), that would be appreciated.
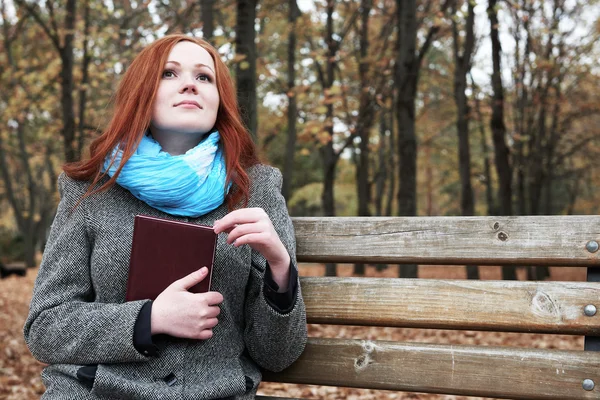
point(246, 229)
point(242, 216)
point(212, 298)
point(205, 334)
point(210, 323)
point(212, 312)
point(190, 280)
point(253, 239)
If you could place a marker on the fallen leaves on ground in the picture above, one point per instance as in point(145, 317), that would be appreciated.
point(20, 372)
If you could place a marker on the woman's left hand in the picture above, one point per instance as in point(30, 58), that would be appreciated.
point(253, 227)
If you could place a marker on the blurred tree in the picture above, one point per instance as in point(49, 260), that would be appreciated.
point(208, 23)
point(408, 65)
point(463, 50)
point(61, 35)
point(292, 111)
point(26, 151)
point(502, 152)
point(245, 68)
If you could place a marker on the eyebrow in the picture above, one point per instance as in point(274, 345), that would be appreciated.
point(197, 65)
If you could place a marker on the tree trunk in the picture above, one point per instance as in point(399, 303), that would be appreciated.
point(462, 59)
point(536, 167)
point(366, 114)
point(501, 150)
point(328, 153)
point(327, 197)
point(382, 170)
point(391, 164)
point(521, 108)
point(66, 74)
point(406, 77)
point(290, 148)
point(489, 195)
point(245, 69)
point(208, 24)
point(386, 153)
point(463, 66)
point(84, 80)
point(550, 150)
point(497, 123)
point(29, 242)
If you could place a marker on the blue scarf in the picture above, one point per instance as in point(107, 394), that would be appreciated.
point(190, 185)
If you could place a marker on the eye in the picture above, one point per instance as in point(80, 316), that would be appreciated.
point(168, 74)
point(204, 78)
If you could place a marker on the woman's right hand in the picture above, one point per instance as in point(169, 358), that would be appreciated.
point(179, 313)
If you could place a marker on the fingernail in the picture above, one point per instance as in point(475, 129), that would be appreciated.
point(203, 270)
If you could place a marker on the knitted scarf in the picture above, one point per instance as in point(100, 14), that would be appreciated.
point(190, 185)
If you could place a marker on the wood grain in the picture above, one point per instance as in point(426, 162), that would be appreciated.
point(450, 369)
point(521, 240)
point(515, 306)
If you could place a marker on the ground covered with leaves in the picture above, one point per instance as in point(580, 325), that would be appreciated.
point(20, 372)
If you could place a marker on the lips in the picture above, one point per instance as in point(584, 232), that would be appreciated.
point(189, 103)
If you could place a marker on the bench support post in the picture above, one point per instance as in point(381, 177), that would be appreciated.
point(592, 343)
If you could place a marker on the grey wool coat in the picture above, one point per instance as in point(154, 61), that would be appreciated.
point(78, 314)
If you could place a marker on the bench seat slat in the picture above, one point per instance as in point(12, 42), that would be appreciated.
point(449, 369)
point(522, 240)
point(514, 306)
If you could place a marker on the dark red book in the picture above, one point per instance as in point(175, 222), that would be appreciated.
point(164, 251)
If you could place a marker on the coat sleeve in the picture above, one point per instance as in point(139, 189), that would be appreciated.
point(274, 339)
point(64, 324)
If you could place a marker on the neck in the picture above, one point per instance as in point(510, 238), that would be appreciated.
point(176, 143)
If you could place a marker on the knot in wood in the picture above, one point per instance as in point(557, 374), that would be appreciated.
point(496, 226)
point(543, 305)
point(362, 362)
point(502, 236)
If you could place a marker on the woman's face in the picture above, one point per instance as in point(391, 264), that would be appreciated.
point(187, 99)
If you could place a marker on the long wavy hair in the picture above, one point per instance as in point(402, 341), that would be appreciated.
point(133, 103)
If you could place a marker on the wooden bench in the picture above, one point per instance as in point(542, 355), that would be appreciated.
point(508, 306)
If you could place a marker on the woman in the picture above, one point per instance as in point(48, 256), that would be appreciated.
point(175, 148)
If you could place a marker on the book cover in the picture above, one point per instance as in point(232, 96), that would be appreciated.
point(164, 251)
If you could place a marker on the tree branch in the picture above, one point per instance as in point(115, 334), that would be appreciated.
point(53, 36)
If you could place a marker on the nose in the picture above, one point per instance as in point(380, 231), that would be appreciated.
point(188, 86)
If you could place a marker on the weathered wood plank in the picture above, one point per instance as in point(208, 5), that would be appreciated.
point(521, 240)
point(515, 306)
point(448, 369)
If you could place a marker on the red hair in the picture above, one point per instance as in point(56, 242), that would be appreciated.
point(133, 103)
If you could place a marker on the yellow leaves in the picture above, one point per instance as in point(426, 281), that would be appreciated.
point(238, 58)
point(324, 137)
point(335, 90)
point(332, 100)
point(244, 65)
point(321, 109)
point(305, 152)
point(315, 131)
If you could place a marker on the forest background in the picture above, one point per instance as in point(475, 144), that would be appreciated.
point(369, 107)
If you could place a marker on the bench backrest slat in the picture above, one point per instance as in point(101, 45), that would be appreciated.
point(451, 369)
point(522, 240)
point(515, 306)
